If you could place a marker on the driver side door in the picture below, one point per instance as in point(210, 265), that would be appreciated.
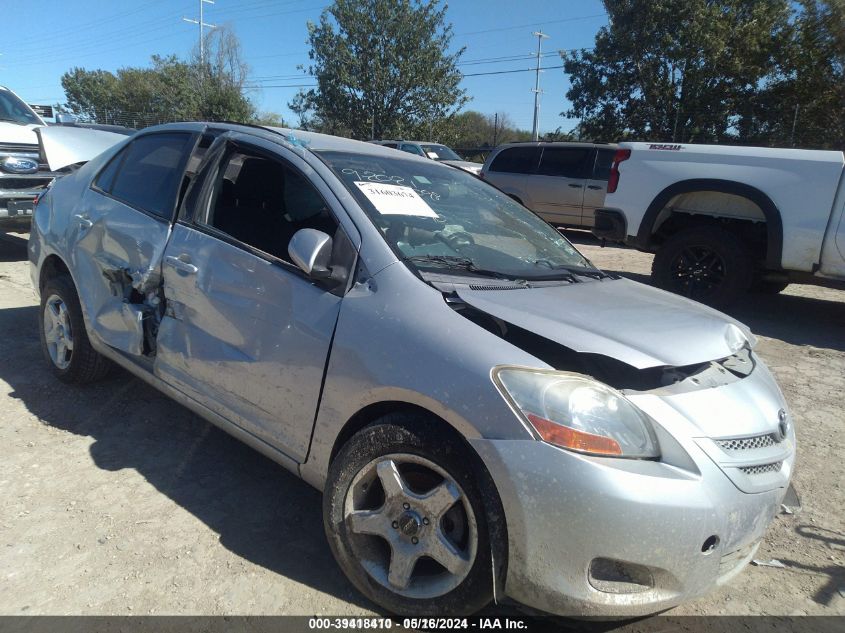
point(246, 332)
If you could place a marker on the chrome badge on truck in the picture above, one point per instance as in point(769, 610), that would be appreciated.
point(15, 165)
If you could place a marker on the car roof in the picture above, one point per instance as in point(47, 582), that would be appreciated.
point(310, 140)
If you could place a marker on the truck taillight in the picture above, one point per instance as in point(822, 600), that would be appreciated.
point(618, 157)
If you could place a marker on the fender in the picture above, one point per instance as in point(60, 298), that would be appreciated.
point(774, 224)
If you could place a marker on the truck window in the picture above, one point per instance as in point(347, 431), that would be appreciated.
point(517, 160)
point(149, 174)
point(568, 162)
point(604, 161)
point(411, 149)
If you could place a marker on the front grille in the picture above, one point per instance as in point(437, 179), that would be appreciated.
point(25, 148)
point(762, 469)
point(749, 443)
point(15, 184)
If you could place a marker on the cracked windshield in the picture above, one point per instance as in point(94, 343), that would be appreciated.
point(441, 219)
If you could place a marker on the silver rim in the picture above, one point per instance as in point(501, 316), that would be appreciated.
point(57, 332)
point(411, 526)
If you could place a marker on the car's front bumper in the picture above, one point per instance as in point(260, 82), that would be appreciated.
point(642, 526)
point(18, 193)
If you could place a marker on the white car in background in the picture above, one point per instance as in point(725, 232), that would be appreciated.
point(434, 151)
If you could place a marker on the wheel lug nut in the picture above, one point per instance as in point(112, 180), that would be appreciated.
point(396, 525)
point(407, 506)
point(425, 521)
point(415, 540)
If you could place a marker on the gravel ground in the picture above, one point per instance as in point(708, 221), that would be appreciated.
point(117, 500)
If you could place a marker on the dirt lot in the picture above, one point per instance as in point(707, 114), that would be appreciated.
point(116, 500)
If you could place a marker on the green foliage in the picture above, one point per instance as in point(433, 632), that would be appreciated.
point(169, 90)
point(676, 69)
point(381, 69)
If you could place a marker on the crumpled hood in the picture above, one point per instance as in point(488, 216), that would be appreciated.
point(474, 168)
point(631, 322)
point(17, 133)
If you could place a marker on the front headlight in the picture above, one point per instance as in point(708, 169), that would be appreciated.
point(577, 413)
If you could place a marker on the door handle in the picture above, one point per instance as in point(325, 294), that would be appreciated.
point(180, 264)
point(595, 187)
point(84, 222)
point(574, 186)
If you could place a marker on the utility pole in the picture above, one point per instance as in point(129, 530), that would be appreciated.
point(202, 24)
point(495, 129)
point(540, 36)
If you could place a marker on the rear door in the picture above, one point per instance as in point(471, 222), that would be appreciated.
point(557, 190)
point(245, 332)
point(119, 232)
point(511, 170)
point(596, 188)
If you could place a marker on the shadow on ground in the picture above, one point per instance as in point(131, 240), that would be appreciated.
point(261, 512)
point(12, 248)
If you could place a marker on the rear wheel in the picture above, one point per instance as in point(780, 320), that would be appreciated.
point(63, 338)
point(708, 264)
point(405, 520)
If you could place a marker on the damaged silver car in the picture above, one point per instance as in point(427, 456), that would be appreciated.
point(486, 413)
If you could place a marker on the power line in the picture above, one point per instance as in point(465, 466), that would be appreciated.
point(523, 26)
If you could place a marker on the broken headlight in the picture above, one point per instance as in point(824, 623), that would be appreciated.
point(578, 413)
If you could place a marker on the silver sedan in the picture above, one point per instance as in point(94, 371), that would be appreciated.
point(485, 411)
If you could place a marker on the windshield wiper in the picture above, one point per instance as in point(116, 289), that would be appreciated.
point(456, 263)
point(595, 273)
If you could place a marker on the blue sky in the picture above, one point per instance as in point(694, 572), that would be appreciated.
point(37, 47)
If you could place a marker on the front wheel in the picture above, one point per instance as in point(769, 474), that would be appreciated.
point(405, 520)
point(705, 263)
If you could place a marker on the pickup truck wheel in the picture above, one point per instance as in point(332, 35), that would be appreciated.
point(705, 263)
point(64, 340)
point(406, 521)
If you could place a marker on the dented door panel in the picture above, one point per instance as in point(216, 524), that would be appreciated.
point(117, 252)
point(246, 337)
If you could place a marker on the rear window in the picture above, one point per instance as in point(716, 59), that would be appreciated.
point(517, 160)
point(567, 162)
point(149, 174)
point(604, 161)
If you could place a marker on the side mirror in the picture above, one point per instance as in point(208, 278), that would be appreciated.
point(311, 250)
point(66, 117)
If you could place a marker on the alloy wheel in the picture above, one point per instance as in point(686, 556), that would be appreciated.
point(698, 271)
point(411, 526)
point(57, 331)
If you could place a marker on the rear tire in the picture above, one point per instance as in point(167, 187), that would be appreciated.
point(64, 340)
point(705, 263)
point(361, 486)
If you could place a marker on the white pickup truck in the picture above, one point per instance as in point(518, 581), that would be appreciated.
point(722, 220)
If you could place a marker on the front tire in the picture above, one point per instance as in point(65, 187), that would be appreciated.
point(405, 520)
point(705, 263)
point(64, 340)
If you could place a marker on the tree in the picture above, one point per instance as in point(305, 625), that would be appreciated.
point(681, 70)
point(381, 68)
point(168, 90)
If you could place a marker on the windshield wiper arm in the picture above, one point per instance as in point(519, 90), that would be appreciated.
point(456, 263)
point(595, 273)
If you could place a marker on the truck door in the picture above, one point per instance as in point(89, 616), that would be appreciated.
point(120, 229)
point(245, 332)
